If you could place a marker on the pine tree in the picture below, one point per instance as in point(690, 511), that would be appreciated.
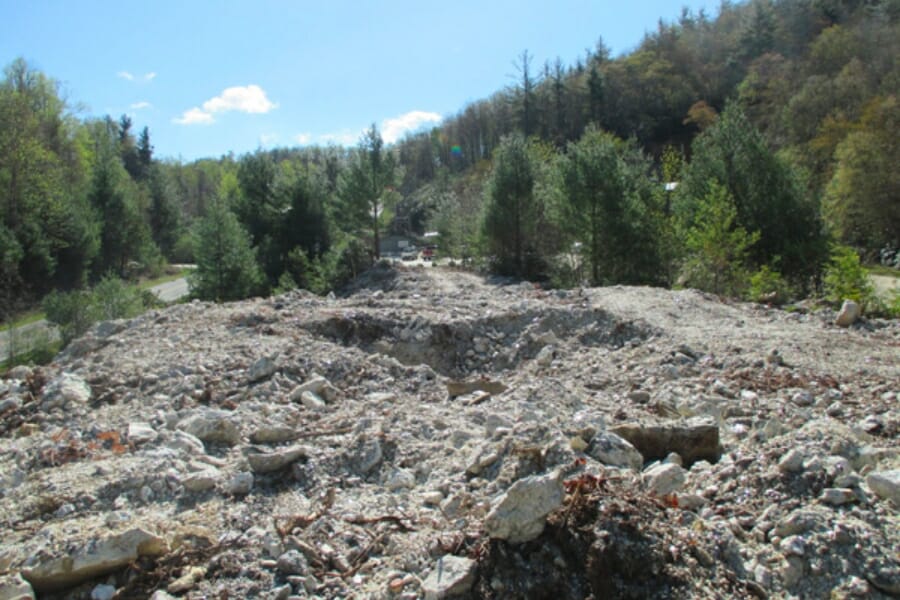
point(226, 265)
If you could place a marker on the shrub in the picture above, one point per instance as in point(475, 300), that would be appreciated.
point(74, 312)
point(846, 278)
point(767, 285)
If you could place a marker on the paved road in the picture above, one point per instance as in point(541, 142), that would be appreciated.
point(171, 291)
point(26, 336)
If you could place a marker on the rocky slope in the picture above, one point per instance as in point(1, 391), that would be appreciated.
point(433, 435)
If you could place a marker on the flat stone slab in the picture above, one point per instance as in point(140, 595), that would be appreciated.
point(693, 440)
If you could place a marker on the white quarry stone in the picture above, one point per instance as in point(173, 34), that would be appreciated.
point(401, 479)
point(519, 514)
point(792, 462)
point(263, 368)
point(212, 426)
point(201, 481)
point(452, 576)
point(240, 484)
point(268, 462)
point(664, 479)
point(848, 314)
point(141, 433)
point(13, 587)
point(312, 400)
point(103, 592)
point(885, 484)
point(94, 559)
point(615, 451)
point(66, 388)
point(190, 444)
point(273, 434)
point(837, 496)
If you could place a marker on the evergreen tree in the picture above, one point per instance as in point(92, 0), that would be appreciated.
point(606, 206)
point(367, 187)
point(513, 212)
point(226, 266)
point(717, 248)
point(768, 195)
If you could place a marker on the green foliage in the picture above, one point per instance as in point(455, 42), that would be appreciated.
point(846, 278)
point(226, 265)
point(183, 250)
point(348, 258)
point(74, 312)
point(862, 203)
point(304, 272)
point(607, 207)
point(717, 248)
point(514, 214)
point(113, 299)
point(767, 194)
point(768, 286)
point(366, 188)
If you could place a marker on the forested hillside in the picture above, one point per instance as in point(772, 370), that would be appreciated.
point(777, 117)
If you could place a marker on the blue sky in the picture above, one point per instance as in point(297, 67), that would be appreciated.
point(213, 76)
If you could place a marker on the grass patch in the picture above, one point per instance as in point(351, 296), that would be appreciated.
point(883, 270)
point(32, 316)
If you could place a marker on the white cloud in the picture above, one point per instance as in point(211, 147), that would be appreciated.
point(303, 138)
point(268, 138)
point(194, 116)
point(247, 99)
point(141, 105)
point(128, 76)
point(393, 129)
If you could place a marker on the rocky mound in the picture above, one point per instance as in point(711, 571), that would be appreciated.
point(435, 435)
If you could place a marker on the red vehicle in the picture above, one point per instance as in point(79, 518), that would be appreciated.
point(428, 253)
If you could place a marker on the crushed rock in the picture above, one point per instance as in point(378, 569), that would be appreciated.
point(363, 445)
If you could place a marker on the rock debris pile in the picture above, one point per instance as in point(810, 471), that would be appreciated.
point(431, 435)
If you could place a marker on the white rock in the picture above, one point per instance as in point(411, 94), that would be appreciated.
point(664, 479)
point(201, 481)
point(212, 426)
point(13, 587)
point(240, 484)
point(401, 479)
point(482, 458)
point(312, 400)
point(273, 434)
point(94, 559)
point(319, 386)
point(614, 450)
point(190, 444)
point(268, 462)
point(837, 496)
point(519, 514)
point(848, 314)
point(452, 576)
point(141, 433)
point(885, 484)
point(64, 389)
point(792, 462)
point(263, 368)
point(103, 592)
point(545, 356)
